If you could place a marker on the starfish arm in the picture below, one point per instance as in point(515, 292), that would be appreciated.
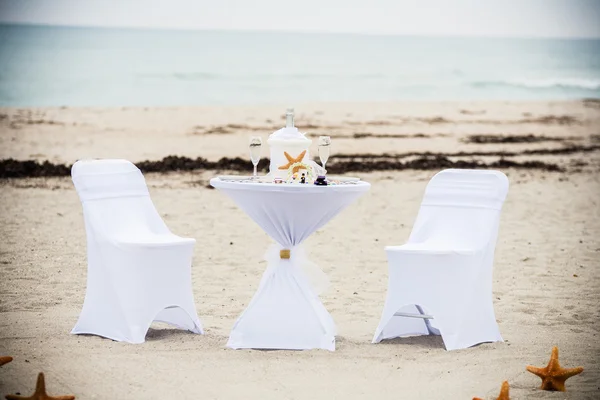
point(554, 358)
point(62, 398)
point(541, 372)
point(569, 372)
point(504, 391)
point(40, 387)
point(289, 158)
point(5, 360)
point(298, 168)
point(15, 397)
point(292, 160)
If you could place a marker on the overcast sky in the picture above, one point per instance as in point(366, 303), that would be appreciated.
point(545, 18)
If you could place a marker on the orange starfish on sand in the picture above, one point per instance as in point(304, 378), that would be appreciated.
point(503, 392)
point(40, 392)
point(292, 161)
point(5, 360)
point(553, 376)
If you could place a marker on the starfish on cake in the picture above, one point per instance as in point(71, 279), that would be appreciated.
point(503, 392)
point(292, 161)
point(5, 360)
point(553, 376)
point(40, 392)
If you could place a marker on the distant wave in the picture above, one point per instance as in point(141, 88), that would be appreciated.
point(194, 76)
point(567, 83)
point(398, 79)
point(201, 76)
point(183, 76)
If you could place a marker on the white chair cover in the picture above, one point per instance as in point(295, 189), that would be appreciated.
point(445, 268)
point(138, 271)
point(285, 312)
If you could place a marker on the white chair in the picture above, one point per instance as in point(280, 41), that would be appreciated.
point(440, 281)
point(138, 271)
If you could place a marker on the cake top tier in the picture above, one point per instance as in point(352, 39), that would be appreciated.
point(290, 132)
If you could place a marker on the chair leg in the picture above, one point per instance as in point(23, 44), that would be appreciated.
point(181, 317)
point(429, 323)
point(391, 326)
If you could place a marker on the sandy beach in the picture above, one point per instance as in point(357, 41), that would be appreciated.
point(546, 285)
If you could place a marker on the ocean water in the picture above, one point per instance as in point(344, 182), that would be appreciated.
point(64, 66)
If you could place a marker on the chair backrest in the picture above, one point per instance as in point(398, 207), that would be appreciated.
point(467, 188)
point(103, 179)
point(115, 197)
point(461, 207)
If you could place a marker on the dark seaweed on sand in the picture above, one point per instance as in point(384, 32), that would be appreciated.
point(493, 139)
point(30, 169)
point(10, 168)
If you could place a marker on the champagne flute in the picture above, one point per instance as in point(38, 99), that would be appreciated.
point(255, 145)
point(324, 146)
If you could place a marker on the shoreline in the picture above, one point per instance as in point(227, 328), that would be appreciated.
point(298, 106)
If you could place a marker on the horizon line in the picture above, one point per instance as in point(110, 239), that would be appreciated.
point(315, 32)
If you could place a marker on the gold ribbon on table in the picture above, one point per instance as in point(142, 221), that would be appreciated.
point(284, 254)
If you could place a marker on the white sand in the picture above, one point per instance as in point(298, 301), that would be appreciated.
point(546, 275)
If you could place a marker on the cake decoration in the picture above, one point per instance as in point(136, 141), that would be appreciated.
point(293, 172)
point(321, 181)
point(295, 163)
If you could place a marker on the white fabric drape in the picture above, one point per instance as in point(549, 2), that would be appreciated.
point(285, 312)
point(138, 271)
point(445, 268)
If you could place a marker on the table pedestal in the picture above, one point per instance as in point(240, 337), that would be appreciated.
point(285, 312)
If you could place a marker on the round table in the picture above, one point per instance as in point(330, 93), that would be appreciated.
point(285, 312)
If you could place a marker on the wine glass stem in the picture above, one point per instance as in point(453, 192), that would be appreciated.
point(255, 170)
point(324, 164)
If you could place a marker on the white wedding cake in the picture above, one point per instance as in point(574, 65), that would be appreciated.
point(288, 147)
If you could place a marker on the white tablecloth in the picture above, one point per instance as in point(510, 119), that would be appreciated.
point(285, 312)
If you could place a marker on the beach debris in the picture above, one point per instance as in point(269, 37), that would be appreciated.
point(552, 120)
point(503, 392)
point(553, 376)
point(530, 138)
point(344, 163)
point(40, 392)
point(480, 112)
point(5, 360)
